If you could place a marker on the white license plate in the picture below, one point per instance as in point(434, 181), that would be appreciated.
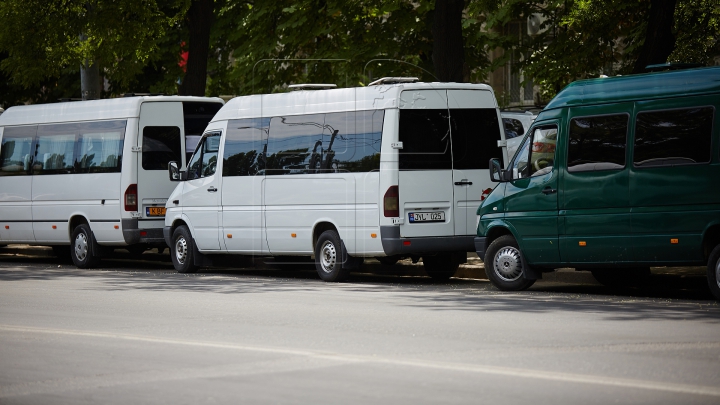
point(436, 216)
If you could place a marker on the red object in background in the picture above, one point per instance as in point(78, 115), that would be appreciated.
point(485, 194)
point(183, 57)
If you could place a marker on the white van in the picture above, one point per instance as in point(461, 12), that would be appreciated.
point(89, 176)
point(388, 171)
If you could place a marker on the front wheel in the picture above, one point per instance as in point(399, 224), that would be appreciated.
point(440, 267)
point(328, 257)
point(82, 253)
point(713, 272)
point(505, 265)
point(181, 250)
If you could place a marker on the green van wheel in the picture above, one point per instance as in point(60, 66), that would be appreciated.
point(505, 265)
point(713, 274)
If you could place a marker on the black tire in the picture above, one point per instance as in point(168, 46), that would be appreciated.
point(182, 250)
point(622, 277)
point(328, 257)
point(440, 267)
point(82, 249)
point(713, 274)
point(63, 253)
point(505, 265)
point(387, 260)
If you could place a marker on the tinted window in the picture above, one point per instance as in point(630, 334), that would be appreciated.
point(100, 147)
point(295, 145)
point(244, 147)
point(475, 132)
point(161, 145)
point(513, 128)
point(196, 116)
point(16, 150)
point(54, 153)
point(536, 155)
point(597, 143)
point(673, 137)
point(425, 135)
point(351, 142)
point(204, 161)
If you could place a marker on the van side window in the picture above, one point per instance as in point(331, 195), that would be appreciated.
point(161, 145)
point(673, 137)
point(16, 150)
point(55, 150)
point(245, 144)
point(425, 135)
point(100, 147)
point(351, 141)
point(204, 161)
point(597, 143)
point(536, 155)
point(295, 145)
point(475, 132)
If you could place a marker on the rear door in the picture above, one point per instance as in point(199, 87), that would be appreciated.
point(425, 178)
point(475, 132)
point(161, 139)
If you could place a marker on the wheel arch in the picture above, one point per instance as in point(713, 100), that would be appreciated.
point(320, 227)
point(74, 222)
point(497, 229)
point(711, 238)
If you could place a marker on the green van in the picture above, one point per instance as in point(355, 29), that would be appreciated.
point(615, 175)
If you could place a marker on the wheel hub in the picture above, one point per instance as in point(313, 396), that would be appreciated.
point(181, 250)
point(81, 246)
point(328, 257)
point(508, 264)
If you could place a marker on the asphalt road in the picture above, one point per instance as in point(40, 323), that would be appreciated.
point(137, 332)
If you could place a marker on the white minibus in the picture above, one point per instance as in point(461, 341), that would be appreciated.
point(392, 170)
point(86, 177)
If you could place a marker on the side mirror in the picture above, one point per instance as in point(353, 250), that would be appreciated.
point(174, 172)
point(497, 174)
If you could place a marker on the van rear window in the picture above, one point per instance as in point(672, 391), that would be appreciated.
point(425, 135)
point(161, 145)
point(475, 133)
point(673, 137)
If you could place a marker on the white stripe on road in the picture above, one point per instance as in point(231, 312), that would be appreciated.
point(461, 367)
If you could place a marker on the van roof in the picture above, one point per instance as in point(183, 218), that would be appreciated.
point(638, 87)
point(324, 101)
point(106, 109)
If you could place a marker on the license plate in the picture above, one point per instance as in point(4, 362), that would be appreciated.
point(436, 216)
point(155, 211)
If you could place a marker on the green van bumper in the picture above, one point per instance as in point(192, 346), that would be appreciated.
point(480, 246)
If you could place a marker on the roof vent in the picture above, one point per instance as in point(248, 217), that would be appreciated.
point(312, 86)
point(672, 66)
point(394, 80)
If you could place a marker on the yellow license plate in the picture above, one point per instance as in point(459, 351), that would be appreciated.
point(155, 211)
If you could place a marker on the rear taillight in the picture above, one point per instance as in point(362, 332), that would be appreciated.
point(131, 202)
point(391, 206)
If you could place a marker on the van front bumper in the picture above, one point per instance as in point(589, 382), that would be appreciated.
point(480, 247)
point(393, 244)
point(133, 235)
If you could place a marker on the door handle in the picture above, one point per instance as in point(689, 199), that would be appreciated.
point(548, 190)
point(463, 183)
point(212, 189)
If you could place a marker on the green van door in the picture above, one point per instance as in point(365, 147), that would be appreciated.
point(594, 194)
point(532, 198)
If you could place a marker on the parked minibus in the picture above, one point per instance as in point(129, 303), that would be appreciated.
point(89, 176)
point(392, 170)
point(616, 175)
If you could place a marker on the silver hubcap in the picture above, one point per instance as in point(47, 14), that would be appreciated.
point(328, 257)
point(81, 246)
point(181, 250)
point(717, 273)
point(508, 264)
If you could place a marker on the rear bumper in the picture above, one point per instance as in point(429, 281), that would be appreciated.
point(480, 246)
point(393, 244)
point(133, 235)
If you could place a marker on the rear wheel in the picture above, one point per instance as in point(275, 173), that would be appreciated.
point(505, 265)
point(181, 250)
point(713, 274)
point(620, 277)
point(82, 252)
point(440, 267)
point(328, 257)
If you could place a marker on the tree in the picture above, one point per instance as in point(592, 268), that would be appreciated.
point(199, 21)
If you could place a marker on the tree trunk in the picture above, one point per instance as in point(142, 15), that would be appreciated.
point(448, 49)
point(659, 39)
point(90, 81)
point(199, 19)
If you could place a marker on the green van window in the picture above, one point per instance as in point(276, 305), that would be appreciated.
point(673, 137)
point(597, 143)
point(536, 155)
